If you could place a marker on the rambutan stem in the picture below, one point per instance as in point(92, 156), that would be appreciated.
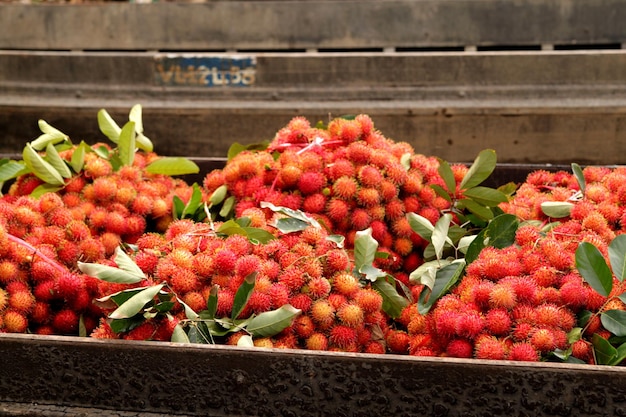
point(37, 252)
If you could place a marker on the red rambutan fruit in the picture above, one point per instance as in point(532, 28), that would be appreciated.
point(460, 348)
point(470, 324)
point(145, 331)
point(22, 301)
point(225, 261)
point(302, 302)
point(311, 182)
point(314, 203)
point(225, 299)
point(489, 348)
point(9, 271)
point(184, 280)
point(323, 313)
point(342, 336)
point(351, 315)
point(303, 326)
point(65, 322)
point(523, 352)
point(582, 350)
point(573, 295)
point(195, 300)
point(498, 321)
point(345, 283)
point(317, 341)
point(502, 296)
point(91, 250)
point(543, 340)
point(345, 188)
point(14, 321)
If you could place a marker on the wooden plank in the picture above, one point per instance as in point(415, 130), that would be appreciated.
point(287, 25)
point(62, 376)
point(532, 135)
point(213, 73)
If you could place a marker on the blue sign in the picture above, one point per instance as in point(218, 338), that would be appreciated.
point(208, 71)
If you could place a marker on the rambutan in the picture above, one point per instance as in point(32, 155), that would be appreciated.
point(9, 270)
point(145, 331)
point(345, 188)
point(302, 302)
point(498, 321)
point(460, 348)
point(195, 300)
point(311, 182)
point(470, 324)
point(317, 341)
point(345, 283)
point(14, 321)
point(65, 322)
point(543, 340)
point(502, 296)
point(303, 326)
point(573, 295)
point(342, 336)
point(351, 315)
point(22, 301)
point(225, 299)
point(91, 250)
point(523, 352)
point(225, 261)
point(323, 313)
point(290, 175)
point(314, 203)
point(4, 299)
point(490, 348)
point(184, 280)
point(361, 219)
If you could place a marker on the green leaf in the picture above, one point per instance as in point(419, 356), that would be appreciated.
point(170, 165)
point(481, 169)
point(237, 148)
point(11, 169)
point(127, 144)
point(126, 325)
point(474, 207)
point(446, 278)
point(51, 135)
point(270, 323)
point(371, 272)
point(447, 175)
point(194, 202)
point(108, 127)
point(620, 356)
point(110, 274)
point(45, 188)
point(421, 225)
point(189, 312)
point(290, 225)
point(501, 230)
point(557, 209)
point(617, 256)
point(486, 196)
point(605, 352)
point(338, 240)
point(136, 303)
point(179, 335)
point(143, 142)
point(178, 207)
point(296, 214)
point(580, 177)
point(211, 302)
point(426, 273)
point(218, 196)
point(440, 234)
point(258, 235)
point(365, 247)
point(54, 159)
point(441, 192)
point(243, 294)
point(117, 299)
point(227, 207)
point(405, 160)
point(78, 157)
point(393, 302)
point(614, 321)
point(478, 244)
point(124, 262)
point(82, 330)
point(245, 341)
point(42, 169)
point(593, 268)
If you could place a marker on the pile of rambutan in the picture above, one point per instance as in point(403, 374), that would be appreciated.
point(524, 302)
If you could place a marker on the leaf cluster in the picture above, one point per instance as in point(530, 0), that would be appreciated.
point(601, 277)
point(41, 157)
